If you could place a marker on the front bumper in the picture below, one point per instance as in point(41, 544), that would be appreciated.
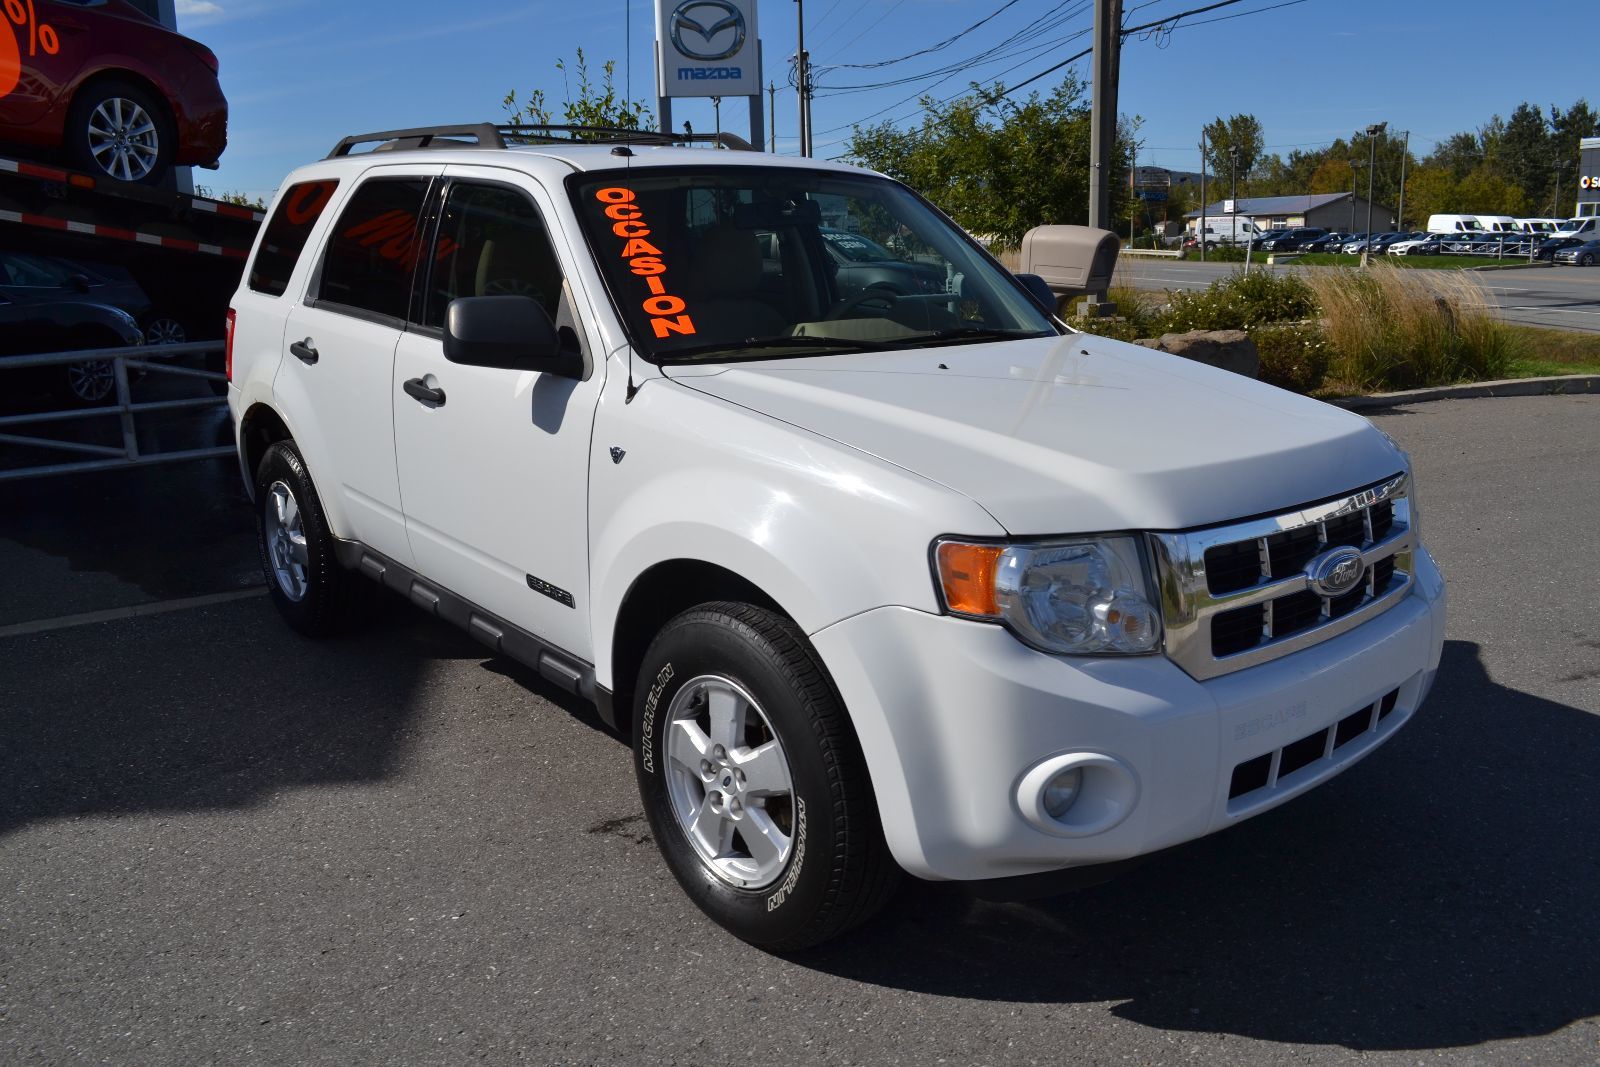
point(954, 715)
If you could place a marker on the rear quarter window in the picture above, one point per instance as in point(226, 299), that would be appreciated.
point(302, 205)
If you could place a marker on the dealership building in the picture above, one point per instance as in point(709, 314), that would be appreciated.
point(1329, 211)
point(1588, 177)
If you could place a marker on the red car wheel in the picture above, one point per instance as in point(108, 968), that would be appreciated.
point(122, 131)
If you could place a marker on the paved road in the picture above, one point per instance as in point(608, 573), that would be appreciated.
point(1564, 298)
point(222, 844)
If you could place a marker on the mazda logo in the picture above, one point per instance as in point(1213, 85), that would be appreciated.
point(1336, 573)
point(706, 22)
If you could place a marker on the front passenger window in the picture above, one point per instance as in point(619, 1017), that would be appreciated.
point(492, 242)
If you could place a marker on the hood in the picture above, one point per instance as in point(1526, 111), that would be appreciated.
point(1073, 434)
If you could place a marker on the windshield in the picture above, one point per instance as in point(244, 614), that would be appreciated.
point(726, 262)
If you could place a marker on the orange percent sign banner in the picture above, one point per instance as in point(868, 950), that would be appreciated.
point(41, 36)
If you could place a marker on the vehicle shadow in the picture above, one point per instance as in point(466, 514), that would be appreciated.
point(1441, 894)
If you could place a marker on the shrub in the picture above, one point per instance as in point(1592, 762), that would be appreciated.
point(1239, 301)
point(1294, 355)
point(1389, 328)
point(1219, 254)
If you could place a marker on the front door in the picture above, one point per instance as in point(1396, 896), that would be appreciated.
point(495, 477)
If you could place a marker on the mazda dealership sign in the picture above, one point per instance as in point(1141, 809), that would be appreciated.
point(707, 48)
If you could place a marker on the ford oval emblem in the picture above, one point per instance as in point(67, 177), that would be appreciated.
point(1336, 573)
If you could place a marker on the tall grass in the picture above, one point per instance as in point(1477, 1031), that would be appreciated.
point(1389, 328)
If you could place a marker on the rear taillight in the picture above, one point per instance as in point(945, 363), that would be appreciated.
point(227, 346)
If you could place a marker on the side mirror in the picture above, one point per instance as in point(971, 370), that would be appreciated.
point(510, 333)
point(1039, 289)
point(79, 283)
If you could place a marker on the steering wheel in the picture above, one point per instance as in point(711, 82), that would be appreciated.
point(871, 294)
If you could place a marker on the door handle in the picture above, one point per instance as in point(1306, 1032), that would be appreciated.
point(304, 351)
point(420, 389)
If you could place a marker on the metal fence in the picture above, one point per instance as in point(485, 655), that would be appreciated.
point(125, 410)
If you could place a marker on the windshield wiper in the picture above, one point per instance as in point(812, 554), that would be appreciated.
point(739, 348)
point(961, 334)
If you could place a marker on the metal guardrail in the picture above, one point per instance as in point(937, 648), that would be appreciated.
point(146, 358)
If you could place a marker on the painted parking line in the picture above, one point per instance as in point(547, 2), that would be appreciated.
point(134, 611)
point(1559, 311)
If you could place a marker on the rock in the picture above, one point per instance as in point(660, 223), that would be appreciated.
point(1229, 349)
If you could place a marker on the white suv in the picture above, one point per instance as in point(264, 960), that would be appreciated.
point(912, 577)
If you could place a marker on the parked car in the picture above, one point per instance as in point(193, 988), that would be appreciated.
point(1547, 249)
point(873, 583)
point(861, 263)
point(63, 321)
point(1583, 255)
point(1328, 242)
point(1586, 227)
point(25, 277)
point(1289, 240)
point(121, 96)
point(1349, 244)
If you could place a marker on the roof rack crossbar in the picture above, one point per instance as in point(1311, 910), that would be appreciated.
point(484, 135)
point(489, 135)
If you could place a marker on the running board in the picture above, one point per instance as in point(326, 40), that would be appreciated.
point(554, 665)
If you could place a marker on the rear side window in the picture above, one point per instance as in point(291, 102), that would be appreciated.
point(286, 234)
point(492, 242)
point(374, 248)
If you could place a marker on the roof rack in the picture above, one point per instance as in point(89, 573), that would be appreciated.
point(488, 135)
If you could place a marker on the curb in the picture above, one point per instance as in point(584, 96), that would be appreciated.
point(1512, 266)
point(1554, 386)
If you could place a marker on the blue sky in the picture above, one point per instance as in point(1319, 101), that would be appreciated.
point(300, 74)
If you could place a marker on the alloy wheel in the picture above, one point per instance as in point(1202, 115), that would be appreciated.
point(93, 381)
point(123, 139)
point(286, 541)
point(728, 782)
point(165, 332)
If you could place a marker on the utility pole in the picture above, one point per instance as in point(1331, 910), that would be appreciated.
point(1103, 116)
point(1233, 194)
point(1400, 212)
point(1103, 129)
point(1555, 196)
point(803, 72)
point(716, 111)
point(1354, 163)
point(772, 117)
point(1200, 234)
point(1372, 166)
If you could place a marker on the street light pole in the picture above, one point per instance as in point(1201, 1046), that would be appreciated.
point(1201, 232)
point(803, 71)
point(1405, 154)
point(1372, 166)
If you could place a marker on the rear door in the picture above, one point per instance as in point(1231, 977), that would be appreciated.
point(333, 380)
point(495, 478)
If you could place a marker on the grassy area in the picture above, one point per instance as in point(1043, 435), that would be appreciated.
point(1333, 259)
point(1544, 352)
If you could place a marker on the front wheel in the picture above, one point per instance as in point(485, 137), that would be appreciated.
point(753, 781)
point(122, 131)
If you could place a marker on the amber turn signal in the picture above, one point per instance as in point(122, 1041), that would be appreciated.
point(966, 573)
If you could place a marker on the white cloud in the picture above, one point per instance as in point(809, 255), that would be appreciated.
point(198, 7)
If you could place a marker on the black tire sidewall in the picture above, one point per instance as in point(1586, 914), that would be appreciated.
point(700, 643)
point(76, 138)
point(319, 612)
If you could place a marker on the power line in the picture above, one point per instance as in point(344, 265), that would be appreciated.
point(1001, 51)
point(946, 43)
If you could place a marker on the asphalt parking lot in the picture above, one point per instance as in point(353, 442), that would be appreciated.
point(221, 843)
point(1557, 298)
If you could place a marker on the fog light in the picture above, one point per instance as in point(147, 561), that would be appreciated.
point(1062, 791)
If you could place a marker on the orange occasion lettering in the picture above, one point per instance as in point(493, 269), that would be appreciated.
point(614, 195)
point(664, 305)
point(638, 246)
point(644, 265)
point(623, 211)
point(630, 229)
point(681, 324)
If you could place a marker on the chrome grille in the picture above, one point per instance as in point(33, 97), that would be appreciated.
point(1237, 595)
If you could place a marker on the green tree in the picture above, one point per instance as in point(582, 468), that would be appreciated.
point(1332, 176)
point(1566, 129)
point(1524, 152)
point(595, 105)
point(1431, 190)
point(1000, 167)
point(1224, 135)
point(1459, 154)
point(1486, 192)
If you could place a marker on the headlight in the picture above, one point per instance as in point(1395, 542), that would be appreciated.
point(1078, 596)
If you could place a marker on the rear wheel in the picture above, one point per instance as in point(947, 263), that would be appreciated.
point(1586, 260)
point(753, 781)
point(311, 591)
point(122, 131)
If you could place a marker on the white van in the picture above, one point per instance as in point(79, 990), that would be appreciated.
point(1228, 230)
point(1497, 223)
point(1454, 224)
point(1587, 227)
point(1544, 227)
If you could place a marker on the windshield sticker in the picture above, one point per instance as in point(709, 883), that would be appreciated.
point(667, 312)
